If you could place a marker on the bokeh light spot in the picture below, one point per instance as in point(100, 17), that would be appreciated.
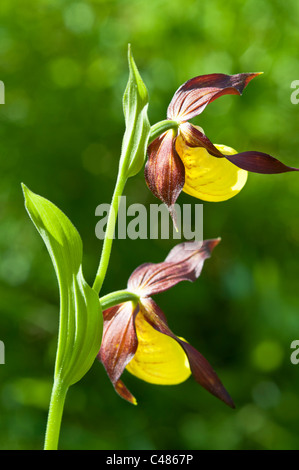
point(266, 394)
point(267, 356)
point(79, 17)
point(250, 419)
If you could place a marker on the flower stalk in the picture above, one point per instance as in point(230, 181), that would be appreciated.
point(117, 297)
point(161, 127)
point(133, 155)
point(108, 240)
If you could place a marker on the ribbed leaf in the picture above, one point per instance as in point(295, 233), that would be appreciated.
point(135, 104)
point(81, 321)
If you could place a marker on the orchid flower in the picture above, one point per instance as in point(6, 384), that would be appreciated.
point(183, 158)
point(136, 335)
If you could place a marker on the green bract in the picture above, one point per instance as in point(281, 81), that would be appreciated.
point(135, 104)
point(81, 321)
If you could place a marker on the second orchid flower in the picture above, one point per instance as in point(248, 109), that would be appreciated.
point(137, 337)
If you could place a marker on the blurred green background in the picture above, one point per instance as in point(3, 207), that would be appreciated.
point(64, 65)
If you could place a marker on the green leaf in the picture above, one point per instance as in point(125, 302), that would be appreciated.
point(81, 322)
point(135, 104)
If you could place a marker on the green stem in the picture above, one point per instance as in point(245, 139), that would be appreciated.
point(59, 392)
point(161, 127)
point(117, 297)
point(105, 256)
point(156, 130)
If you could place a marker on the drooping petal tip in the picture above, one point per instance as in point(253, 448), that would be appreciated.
point(205, 375)
point(123, 392)
point(143, 366)
point(259, 162)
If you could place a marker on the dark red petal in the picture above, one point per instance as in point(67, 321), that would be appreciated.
point(258, 162)
point(164, 170)
point(119, 342)
point(194, 95)
point(204, 374)
point(201, 370)
point(195, 138)
point(184, 263)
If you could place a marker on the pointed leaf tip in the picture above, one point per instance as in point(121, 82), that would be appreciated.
point(26, 191)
